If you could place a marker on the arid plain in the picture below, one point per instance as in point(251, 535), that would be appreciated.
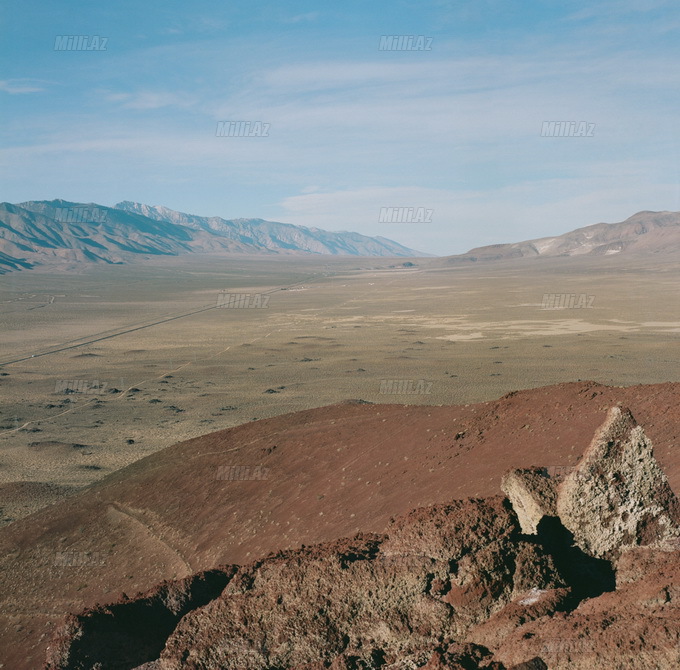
point(103, 367)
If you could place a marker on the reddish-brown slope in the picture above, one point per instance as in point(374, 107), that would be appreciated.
point(332, 472)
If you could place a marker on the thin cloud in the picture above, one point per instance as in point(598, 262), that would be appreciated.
point(146, 100)
point(309, 16)
point(21, 86)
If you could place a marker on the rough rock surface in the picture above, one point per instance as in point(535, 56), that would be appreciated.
point(334, 471)
point(533, 495)
point(367, 601)
point(618, 497)
point(455, 585)
point(491, 584)
point(132, 632)
point(635, 627)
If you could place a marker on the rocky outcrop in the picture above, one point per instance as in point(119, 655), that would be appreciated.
point(635, 627)
point(533, 496)
point(578, 575)
point(462, 656)
point(367, 601)
point(616, 516)
point(131, 632)
point(618, 497)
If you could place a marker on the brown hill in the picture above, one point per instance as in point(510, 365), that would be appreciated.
point(643, 233)
point(323, 474)
point(441, 577)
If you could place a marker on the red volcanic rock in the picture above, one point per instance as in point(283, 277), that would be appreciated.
point(461, 572)
point(131, 632)
point(530, 606)
point(461, 657)
point(332, 472)
point(368, 601)
point(636, 626)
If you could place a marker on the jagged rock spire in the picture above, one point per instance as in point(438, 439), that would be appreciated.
point(618, 497)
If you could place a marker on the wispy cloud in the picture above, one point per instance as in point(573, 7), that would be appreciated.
point(149, 100)
point(196, 24)
point(609, 8)
point(302, 18)
point(472, 218)
point(22, 86)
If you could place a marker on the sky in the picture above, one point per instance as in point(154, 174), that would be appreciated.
point(349, 128)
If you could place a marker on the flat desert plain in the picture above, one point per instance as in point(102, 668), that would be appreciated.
point(104, 366)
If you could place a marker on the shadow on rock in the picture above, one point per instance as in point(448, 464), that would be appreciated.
point(588, 577)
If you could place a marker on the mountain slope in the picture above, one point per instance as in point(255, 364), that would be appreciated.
point(463, 572)
point(60, 233)
point(328, 473)
point(276, 236)
point(642, 233)
point(56, 232)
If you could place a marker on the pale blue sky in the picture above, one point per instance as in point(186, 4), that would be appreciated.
point(456, 129)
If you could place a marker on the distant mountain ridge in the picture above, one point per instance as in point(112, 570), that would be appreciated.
point(643, 233)
point(276, 236)
point(60, 233)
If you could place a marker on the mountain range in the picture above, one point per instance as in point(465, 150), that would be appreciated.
point(643, 233)
point(60, 233)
